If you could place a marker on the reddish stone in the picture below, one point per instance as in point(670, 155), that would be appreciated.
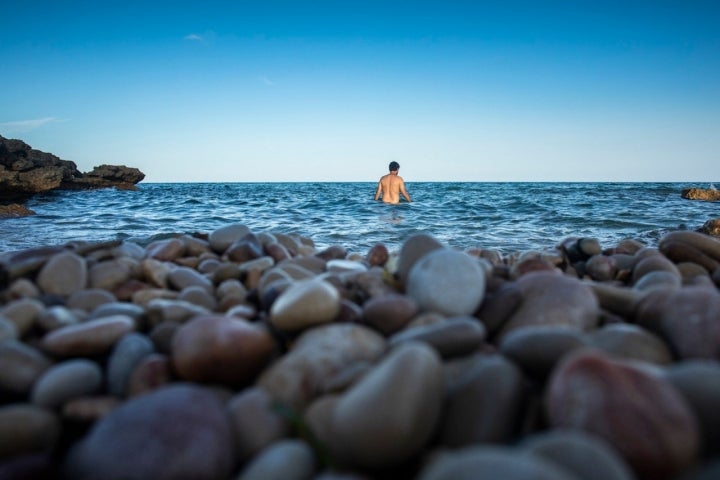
point(641, 414)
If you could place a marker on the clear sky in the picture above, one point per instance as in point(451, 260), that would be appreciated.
point(334, 90)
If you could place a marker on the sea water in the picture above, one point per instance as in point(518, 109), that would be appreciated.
point(509, 217)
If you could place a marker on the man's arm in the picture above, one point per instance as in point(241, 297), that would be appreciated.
point(378, 191)
point(403, 191)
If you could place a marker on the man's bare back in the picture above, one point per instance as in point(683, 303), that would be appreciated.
point(391, 186)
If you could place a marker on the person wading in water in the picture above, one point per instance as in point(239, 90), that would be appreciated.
point(391, 186)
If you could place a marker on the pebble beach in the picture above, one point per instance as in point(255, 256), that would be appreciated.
point(243, 354)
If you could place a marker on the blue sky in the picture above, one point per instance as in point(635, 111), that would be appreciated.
point(335, 90)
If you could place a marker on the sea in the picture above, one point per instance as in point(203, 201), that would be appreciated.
point(509, 217)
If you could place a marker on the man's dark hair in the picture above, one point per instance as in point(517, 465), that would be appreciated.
point(394, 166)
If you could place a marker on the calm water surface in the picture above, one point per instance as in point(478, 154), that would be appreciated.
point(505, 216)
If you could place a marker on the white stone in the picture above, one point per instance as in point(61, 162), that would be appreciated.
point(447, 281)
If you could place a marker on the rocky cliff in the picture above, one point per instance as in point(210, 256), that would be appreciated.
point(25, 171)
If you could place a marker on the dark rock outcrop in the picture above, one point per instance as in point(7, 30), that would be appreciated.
point(711, 227)
point(25, 171)
point(708, 194)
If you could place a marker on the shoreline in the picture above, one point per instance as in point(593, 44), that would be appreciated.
point(378, 364)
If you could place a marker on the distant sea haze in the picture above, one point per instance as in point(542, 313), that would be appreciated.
point(508, 217)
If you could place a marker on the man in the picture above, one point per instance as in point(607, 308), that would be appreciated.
point(391, 186)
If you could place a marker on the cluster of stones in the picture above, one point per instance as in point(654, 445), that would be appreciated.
point(243, 355)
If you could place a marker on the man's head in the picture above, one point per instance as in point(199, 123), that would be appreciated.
point(394, 166)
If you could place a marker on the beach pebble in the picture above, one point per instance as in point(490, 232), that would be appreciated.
point(485, 405)
point(284, 460)
point(182, 277)
point(22, 288)
point(142, 298)
point(125, 292)
point(686, 318)
point(389, 313)
point(653, 263)
point(277, 251)
point(135, 312)
point(350, 312)
point(405, 392)
point(223, 237)
point(176, 432)
point(631, 342)
point(699, 383)
point(453, 337)
point(165, 310)
point(703, 243)
point(412, 250)
point(345, 266)
point(26, 428)
point(296, 269)
point(448, 282)
point(196, 245)
point(94, 337)
point(256, 266)
point(658, 279)
point(304, 304)
point(151, 372)
point(589, 246)
point(616, 299)
point(200, 296)
point(553, 299)
point(222, 349)
point(155, 272)
point(333, 252)
point(492, 462)
point(497, 307)
point(256, 422)
point(538, 348)
point(166, 250)
point(532, 262)
point(8, 331)
point(318, 358)
point(378, 255)
point(56, 317)
point(628, 246)
point(20, 366)
point(684, 252)
point(89, 299)
point(109, 275)
point(65, 381)
point(639, 413)
point(64, 274)
point(23, 313)
point(289, 242)
point(89, 409)
point(601, 268)
point(231, 287)
point(587, 456)
point(689, 271)
point(126, 355)
point(245, 249)
point(241, 310)
point(374, 283)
